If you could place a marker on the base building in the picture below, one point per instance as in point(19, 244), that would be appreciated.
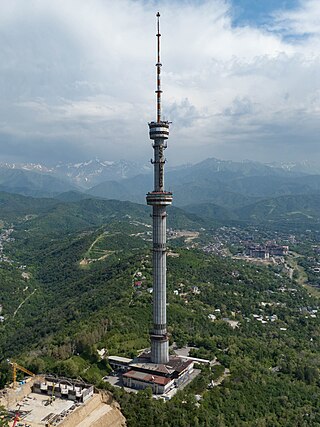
point(142, 373)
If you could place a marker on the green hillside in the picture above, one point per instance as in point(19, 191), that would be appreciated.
point(296, 212)
point(75, 310)
point(68, 289)
point(289, 208)
point(72, 196)
point(54, 215)
point(213, 211)
point(14, 206)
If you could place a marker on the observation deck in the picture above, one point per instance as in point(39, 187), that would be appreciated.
point(159, 198)
point(159, 130)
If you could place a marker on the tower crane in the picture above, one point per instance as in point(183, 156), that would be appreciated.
point(16, 367)
point(16, 419)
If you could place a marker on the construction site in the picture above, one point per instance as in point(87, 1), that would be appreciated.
point(43, 400)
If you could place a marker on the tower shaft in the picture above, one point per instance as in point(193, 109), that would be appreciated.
point(159, 199)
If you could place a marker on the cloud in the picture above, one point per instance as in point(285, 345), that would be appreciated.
point(77, 79)
point(239, 107)
point(302, 21)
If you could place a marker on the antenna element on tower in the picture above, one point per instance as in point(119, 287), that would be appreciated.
point(158, 65)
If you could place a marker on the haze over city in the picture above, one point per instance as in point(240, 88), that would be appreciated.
point(240, 79)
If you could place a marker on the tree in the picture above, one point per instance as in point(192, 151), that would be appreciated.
point(3, 417)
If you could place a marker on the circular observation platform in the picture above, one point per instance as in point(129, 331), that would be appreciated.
point(159, 130)
point(161, 198)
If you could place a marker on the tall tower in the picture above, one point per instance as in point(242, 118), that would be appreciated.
point(159, 199)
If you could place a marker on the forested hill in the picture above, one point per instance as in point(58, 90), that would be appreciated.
point(284, 212)
point(32, 183)
point(48, 240)
point(58, 215)
point(56, 253)
point(68, 286)
point(14, 206)
point(75, 211)
point(57, 318)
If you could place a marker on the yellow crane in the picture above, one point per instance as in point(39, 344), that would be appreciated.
point(16, 367)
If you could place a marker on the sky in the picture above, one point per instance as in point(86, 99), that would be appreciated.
point(240, 79)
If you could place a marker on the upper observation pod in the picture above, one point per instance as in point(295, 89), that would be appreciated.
point(159, 130)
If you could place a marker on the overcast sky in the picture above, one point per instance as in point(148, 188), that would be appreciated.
point(241, 79)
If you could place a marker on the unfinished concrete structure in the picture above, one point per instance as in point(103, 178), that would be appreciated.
point(49, 401)
point(75, 390)
point(159, 199)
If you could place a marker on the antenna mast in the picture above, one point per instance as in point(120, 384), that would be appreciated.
point(158, 65)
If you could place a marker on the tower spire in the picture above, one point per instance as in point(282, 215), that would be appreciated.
point(158, 65)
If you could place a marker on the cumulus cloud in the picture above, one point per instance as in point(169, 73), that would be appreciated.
point(304, 20)
point(77, 80)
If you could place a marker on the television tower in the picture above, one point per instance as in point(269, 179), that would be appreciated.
point(159, 199)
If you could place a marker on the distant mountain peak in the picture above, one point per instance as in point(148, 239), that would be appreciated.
point(88, 173)
point(35, 167)
point(304, 167)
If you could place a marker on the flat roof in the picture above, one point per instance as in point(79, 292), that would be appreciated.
point(178, 364)
point(147, 378)
point(195, 359)
point(119, 359)
point(175, 364)
point(152, 367)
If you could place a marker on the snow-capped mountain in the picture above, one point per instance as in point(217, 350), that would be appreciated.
point(304, 167)
point(90, 173)
point(85, 174)
point(34, 167)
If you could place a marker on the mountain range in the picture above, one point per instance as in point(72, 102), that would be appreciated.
point(212, 189)
point(83, 174)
